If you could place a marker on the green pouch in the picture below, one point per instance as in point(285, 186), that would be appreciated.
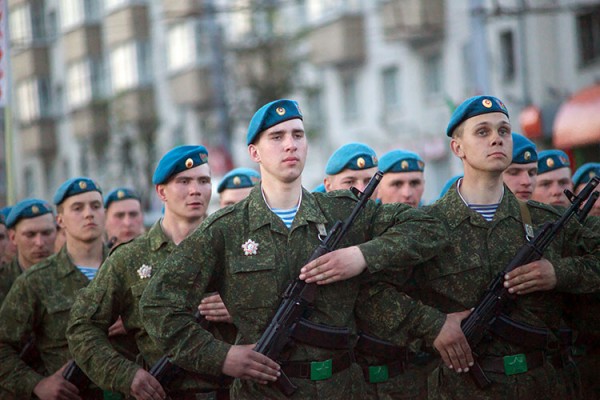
point(320, 370)
point(515, 364)
point(108, 395)
point(378, 373)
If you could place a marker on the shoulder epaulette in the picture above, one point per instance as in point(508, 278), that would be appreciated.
point(546, 207)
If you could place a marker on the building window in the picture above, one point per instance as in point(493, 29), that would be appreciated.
point(185, 45)
point(20, 25)
point(588, 32)
point(350, 93)
point(391, 92)
point(433, 75)
point(85, 82)
point(33, 97)
point(77, 12)
point(507, 52)
point(129, 66)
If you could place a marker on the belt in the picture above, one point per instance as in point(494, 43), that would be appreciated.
point(519, 363)
point(92, 394)
point(317, 370)
point(219, 394)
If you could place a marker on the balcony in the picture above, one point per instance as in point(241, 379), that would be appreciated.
point(32, 61)
point(38, 138)
point(134, 106)
point(84, 41)
point(127, 23)
point(414, 21)
point(181, 8)
point(192, 86)
point(90, 121)
point(340, 42)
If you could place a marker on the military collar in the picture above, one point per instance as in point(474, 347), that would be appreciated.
point(64, 264)
point(157, 237)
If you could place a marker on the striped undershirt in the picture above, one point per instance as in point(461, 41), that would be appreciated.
point(89, 272)
point(287, 216)
point(487, 211)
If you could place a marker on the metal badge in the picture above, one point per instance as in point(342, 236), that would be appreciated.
point(250, 248)
point(120, 194)
point(280, 111)
point(404, 164)
point(527, 155)
point(82, 185)
point(189, 163)
point(360, 162)
point(35, 209)
point(487, 103)
point(145, 271)
point(563, 160)
point(237, 181)
point(550, 163)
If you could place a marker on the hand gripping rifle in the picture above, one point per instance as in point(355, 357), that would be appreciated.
point(497, 299)
point(298, 297)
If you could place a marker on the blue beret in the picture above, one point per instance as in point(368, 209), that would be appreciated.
point(585, 173)
point(524, 150)
point(4, 214)
point(271, 114)
point(449, 184)
point(401, 161)
point(239, 178)
point(119, 194)
point(28, 208)
point(179, 159)
point(473, 107)
point(355, 156)
point(75, 186)
point(319, 189)
point(549, 160)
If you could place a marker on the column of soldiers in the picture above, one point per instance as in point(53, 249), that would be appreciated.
point(199, 290)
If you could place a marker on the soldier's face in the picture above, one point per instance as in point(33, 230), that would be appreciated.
point(596, 208)
point(402, 187)
point(82, 217)
point(349, 177)
point(187, 194)
point(551, 186)
point(124, 220)
point(485, 145)
point(34, 238)
point(521, 179)
point(281, 151)
point(232, 196)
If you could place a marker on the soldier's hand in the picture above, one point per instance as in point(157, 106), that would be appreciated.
point(117, 328)
point(335, 266)
point(452, 344)
point(145, 387)
point(245, 363)
point(55, 387)
point(536, 276)
point(213, 308)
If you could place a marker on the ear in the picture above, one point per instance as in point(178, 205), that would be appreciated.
point(456, 147)
point(11, 235)
point(254, 153)
point(327, 181)
point(59, 220)
point(160, 192)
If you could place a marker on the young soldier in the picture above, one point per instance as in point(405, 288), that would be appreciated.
point(581, 177)
point(32, 229)
point(353, 164)
point(182, 182)
point(9, 250)
point(521, 174)
point(39, 301)
point(554, 176)
point(403, 180)
point(252, 250)
point(487, 224)
point(236, 186)
point(124, 217)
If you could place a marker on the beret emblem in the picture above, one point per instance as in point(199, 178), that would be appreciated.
point(280, 111)
point(236, 180)
point(487, 103)
point(527, 155)
point(563, 160)
point(35, 209)
point(120, 194)
point(189, 163)
point(404, 164)
point(360, 162)
point(82, 185)
point(592, 174)
point(550, 163)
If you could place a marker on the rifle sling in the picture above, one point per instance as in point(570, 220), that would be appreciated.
point(520, 333)
point(526, 220)
point(320, 335)
point(379, 348)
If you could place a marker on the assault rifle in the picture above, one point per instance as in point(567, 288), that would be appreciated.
point(76, 376)
point(496, 299)
point(298, 297)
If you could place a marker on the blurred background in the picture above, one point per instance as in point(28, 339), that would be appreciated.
point(103, 88)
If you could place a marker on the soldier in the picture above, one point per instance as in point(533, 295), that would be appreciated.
point(124, 217)
point(236, 185)
point(251, 251)
point(488, 227)
point(403, 180)
point(521, 174)
point(183, 183)
point(353, 164)
point(9, 250)
point(554, 176)
point(39, 301)
point(32, 229)
point(581, 177)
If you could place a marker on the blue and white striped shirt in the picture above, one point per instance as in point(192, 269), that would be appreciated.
point(89, 272)
point(287, 216)
point(487, 211)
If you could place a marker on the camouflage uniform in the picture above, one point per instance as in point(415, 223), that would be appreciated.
point(37, 305)
point(115, 292)
point(251, 285)
point(456, 280)
point(8, 273)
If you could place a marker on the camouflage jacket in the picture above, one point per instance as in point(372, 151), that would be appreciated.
point(37, 305)
point(250, 283)
point(8, 273)
point(115, 292)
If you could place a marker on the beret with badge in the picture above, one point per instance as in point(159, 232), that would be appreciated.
point(271, 114)
point(354, 156)
point(74, 186)
point(28, 208)
point(239, 178)
point(585, 173)
point(401, 161)
point(119, 194)
point(550, 160)
point(524, 150)
point(179, 159)
point(473, 107)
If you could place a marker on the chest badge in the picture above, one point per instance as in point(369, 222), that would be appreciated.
point(145, 271)
point(250, 248)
